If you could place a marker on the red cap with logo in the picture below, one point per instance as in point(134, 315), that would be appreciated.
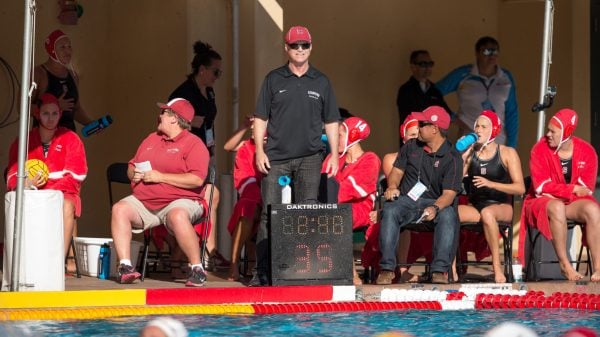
point(435, 115)
point(181, 107)
point(357, 129)
point(297, 33)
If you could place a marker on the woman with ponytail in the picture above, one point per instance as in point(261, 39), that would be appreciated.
point(198, 90)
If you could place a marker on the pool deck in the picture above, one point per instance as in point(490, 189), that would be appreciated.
point(218, 280)
point(90, 298)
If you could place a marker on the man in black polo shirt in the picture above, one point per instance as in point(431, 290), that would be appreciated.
point(296, 100)
point(422, 186)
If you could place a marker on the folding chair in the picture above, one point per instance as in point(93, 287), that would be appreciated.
point(116, 173)
point(534, 261)
point(211, 180)
point(72, 244)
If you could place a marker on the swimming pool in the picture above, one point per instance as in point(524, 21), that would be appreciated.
point(546, 322)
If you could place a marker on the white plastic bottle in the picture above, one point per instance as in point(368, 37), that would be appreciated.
point(517, 269)
point(286, 189)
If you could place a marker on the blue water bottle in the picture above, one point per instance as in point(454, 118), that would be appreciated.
point(104, 262)
point(96, 126)
point(465, 141)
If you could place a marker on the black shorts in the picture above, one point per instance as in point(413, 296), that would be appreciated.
point(481, 205)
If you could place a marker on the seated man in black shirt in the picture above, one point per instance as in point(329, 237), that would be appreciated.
point(422, 186)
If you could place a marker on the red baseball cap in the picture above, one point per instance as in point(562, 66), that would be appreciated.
point(181, 107)
point(297, 33)
point(435, 115)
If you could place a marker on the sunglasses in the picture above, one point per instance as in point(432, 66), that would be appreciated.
point(489, 51)
point(217, 72)
point(296, 46)
point(424, 64)
point(166, 111)
point(424, 124)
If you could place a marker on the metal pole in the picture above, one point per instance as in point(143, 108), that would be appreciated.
point(23, 121)
point(546, 61)
point(236, 63)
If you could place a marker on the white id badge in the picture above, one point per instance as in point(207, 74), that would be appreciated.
point(417, 190)
point(210, 139)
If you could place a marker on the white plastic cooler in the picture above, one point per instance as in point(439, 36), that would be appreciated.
point(42, 249)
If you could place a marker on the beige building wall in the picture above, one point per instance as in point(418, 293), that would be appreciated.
point(131, 54)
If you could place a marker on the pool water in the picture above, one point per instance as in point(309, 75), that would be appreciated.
point(546, 322)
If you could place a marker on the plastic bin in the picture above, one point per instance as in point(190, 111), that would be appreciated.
point(42, 261)
point(88, 250)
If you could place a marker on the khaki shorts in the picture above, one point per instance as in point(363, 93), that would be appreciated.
point(154, 218)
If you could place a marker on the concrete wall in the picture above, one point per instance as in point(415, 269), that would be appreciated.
point(131, 54)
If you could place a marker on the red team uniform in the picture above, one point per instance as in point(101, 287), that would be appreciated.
point(246, 180)
point(65, 159)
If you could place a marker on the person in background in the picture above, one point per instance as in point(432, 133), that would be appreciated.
point(358, 173)
point(167, 174)
point(494, 176)
point(244, 220)
point(63, 152)
point(484, 86)
point(198, 90)
point(57, 77)
point(296, 100)
point(423, 185)
point(419, 92)
point(563, 175)
point(164, 327)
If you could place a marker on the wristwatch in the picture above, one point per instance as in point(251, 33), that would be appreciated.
point(436, 207)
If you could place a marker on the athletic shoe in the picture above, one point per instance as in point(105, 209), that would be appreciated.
point(127, 274)
point(197, 277)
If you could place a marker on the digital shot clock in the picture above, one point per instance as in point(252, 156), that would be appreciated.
point(311, 244)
